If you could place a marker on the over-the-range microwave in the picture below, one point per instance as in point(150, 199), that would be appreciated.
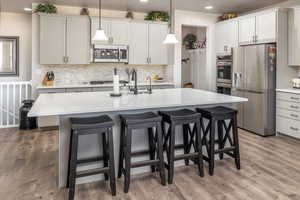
point(110, 54)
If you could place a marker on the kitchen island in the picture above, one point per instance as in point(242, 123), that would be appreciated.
point(66, 105)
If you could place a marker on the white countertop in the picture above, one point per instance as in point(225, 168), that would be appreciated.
point(289, 90)
point(95, 102)
point(97, 86)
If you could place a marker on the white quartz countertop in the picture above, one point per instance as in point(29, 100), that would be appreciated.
point(96, 102)
point(97, 86)
point(289, 90)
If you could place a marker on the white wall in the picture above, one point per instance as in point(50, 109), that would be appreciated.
point(196, 19)
point(17, 24)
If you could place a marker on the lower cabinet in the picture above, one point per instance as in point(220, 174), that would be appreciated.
point(288, 114)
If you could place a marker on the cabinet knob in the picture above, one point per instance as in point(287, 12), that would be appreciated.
point(294, 129)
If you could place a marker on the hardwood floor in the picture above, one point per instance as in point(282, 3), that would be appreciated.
point(270, 170)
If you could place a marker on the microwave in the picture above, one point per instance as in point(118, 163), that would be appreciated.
point(110, 54)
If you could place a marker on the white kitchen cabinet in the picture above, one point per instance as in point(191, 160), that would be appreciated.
point(266, 27)
point(247, 30)
point(116, 30)
point(158, 52)
point(64, 39)
point(52, 39)
point(77, 40)
point(258, 28)
point(138, 43)
point(288, 114)
point(226, 36)
point(294, 36)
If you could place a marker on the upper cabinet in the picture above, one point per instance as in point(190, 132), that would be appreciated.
point(64, 39)
point(146, 43)
point(266, 27)
point(116, 30)
point(294, 36)
point(247, 30)
point(226, 36)
point(258, 28)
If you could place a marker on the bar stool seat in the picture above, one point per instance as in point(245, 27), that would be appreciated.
point(99, 125)
point(220, 115)
point(182, 117)
point(129, 122)
point(148, 117)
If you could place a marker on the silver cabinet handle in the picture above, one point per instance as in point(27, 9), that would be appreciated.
point(294, 98)
point(294, 129)
point(150, 60)
point(65, 59)
point(293, 115)
point(295, 107)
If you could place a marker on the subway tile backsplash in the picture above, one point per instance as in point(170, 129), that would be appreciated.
point(78, 74)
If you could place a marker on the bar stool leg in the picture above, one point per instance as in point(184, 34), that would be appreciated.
point(220, 139)
point(69, 163)
point(199, 149)
point(151, 147)
point(121, 151)
point(171, 154)
point(185, 142)
point(236, 143)
point(72, 178)
point(212, 147)
point(128, 160)
point(111, 162)
point(105, 153)
point(160, 154)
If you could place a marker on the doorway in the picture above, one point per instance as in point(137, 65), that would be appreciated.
point(194, 71)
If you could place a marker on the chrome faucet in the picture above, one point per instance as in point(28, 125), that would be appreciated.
point(134, 78)
point(150, 85)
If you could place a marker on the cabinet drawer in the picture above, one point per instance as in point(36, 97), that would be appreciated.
point(288, 126)
point(293, 106)
point(55, 90)
point(288, 114)
point(288, 97)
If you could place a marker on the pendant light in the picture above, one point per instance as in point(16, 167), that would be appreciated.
point(100, 34)
point(171, 38)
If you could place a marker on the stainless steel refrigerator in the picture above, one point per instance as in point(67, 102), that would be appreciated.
point(254, 77)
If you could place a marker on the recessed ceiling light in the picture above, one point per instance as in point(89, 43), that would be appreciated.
point(28, 9)
point(209, 7)
point(144, 1)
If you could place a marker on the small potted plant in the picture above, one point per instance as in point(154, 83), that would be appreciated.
point(46, 8)
point(160, 16)
point(189, 41)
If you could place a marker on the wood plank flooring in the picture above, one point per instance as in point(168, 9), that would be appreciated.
point(270, 170)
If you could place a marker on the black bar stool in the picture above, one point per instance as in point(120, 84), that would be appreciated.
point(184, 118)
point(218, 115)
point(148, 121)
point(88, 126)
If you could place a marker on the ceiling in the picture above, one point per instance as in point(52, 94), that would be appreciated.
point(220, 6)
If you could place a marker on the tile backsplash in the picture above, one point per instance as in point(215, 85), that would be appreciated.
point(78, 74)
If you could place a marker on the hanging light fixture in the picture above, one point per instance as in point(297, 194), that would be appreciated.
point(100, 34)
point(171, 38)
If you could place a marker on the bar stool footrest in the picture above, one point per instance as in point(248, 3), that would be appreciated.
point(144, 163)
point(186, 156)
point(91, 172)
point(90, 160)
point(225, 150)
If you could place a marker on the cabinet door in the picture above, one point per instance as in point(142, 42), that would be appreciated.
point(246, 30)
point(226, 36)
point(294, 37)
point(52, 39)
point(138, 43)
point(119, 32)
point(220, 38)
point(158, 52)
point(106, 26)
point(78, 40)
point(266, 28)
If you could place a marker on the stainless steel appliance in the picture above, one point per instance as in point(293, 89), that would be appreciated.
point(224, 74)
point(110, 54)
point(254, 77)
